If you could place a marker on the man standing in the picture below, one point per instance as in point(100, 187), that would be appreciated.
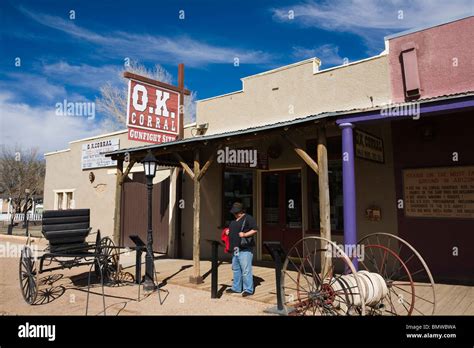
point(241, 235)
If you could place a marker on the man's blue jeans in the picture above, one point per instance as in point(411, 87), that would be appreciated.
point(242, 268)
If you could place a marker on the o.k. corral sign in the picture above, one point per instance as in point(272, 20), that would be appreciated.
point(152, 112)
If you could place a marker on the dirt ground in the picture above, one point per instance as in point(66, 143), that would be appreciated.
point(64, 292)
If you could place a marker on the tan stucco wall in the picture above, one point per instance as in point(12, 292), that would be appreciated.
point(63, 172)
point(300, 91)
point(375, 185)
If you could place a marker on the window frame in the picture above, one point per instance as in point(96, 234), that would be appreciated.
point(64, 201)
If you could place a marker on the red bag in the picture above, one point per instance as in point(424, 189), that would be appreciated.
point(225, 239)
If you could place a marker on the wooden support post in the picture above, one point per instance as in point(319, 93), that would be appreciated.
point(121, 175)
point(118, 201)
point(324, 204)
point(196, 277)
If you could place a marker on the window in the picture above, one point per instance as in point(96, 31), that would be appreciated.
point(59, 205)
point(335, 186)
point(271, 200)
point(237, 187)
point(68, 200)
point(64, 199)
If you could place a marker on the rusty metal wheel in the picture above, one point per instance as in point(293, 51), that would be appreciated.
point(411, 289)
point(318, 278)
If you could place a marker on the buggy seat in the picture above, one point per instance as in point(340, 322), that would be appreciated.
point(66, 229)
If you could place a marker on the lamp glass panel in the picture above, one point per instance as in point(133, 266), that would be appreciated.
point(152, 168)
point(146, 168)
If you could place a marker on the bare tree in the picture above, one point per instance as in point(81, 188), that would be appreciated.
point(113, 99)
point(20, 171)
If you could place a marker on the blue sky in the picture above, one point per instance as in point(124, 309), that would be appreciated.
point(64, 58)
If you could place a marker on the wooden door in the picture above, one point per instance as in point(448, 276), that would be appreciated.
point(281, 210)
point(134, 213)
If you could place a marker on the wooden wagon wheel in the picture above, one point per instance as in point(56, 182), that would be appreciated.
point(318, 278)
point(407, 276)
point(27, 273)
point(109, 261)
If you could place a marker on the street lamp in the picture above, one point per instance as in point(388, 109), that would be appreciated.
point(149, 166)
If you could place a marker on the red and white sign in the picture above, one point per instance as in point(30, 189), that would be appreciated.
point(152, 113)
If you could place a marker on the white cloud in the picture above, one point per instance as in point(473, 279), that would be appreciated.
point(83, 75)
point(149, 47)
point(363, 17)
point(328, 53)
point(31, 85)
point(39, 126)
point(348, 15)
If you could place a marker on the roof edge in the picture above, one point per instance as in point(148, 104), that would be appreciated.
point(56, 152)
point(426, 27)
point(100, 136)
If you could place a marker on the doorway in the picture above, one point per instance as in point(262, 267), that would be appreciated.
point(135, 212)
point(282, 207)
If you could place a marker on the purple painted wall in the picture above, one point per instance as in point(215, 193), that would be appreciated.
point(438, 51)
point(435, 238)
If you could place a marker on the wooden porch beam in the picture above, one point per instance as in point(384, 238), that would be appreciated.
point(206, 166)
point(303, 154)
point(184, 165)
point(127, 171)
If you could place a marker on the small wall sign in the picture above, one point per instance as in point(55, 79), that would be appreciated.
point(368, 146)
point(93, 153)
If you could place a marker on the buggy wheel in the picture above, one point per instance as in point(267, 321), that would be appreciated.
point(109, 261)
point(27, 273)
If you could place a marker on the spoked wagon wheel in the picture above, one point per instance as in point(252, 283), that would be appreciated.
point(407, 276)
point(27, 273)
point(109, 261)
point(318, 278)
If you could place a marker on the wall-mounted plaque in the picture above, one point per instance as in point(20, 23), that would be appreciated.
point(443, 192)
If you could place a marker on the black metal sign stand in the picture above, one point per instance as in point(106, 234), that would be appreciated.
point(278, 255)
point(215, 244)
point(140, 247)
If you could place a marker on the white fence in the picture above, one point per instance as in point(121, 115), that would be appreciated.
point(21, 217)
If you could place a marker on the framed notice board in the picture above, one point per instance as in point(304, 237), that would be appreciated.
point(440, 192)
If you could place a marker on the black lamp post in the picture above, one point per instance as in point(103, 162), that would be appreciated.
point(149, 166)
point(25, 220)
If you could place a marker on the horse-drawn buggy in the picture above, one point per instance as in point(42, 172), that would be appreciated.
point(66, 232)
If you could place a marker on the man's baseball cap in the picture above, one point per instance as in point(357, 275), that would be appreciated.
point(236, 208)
